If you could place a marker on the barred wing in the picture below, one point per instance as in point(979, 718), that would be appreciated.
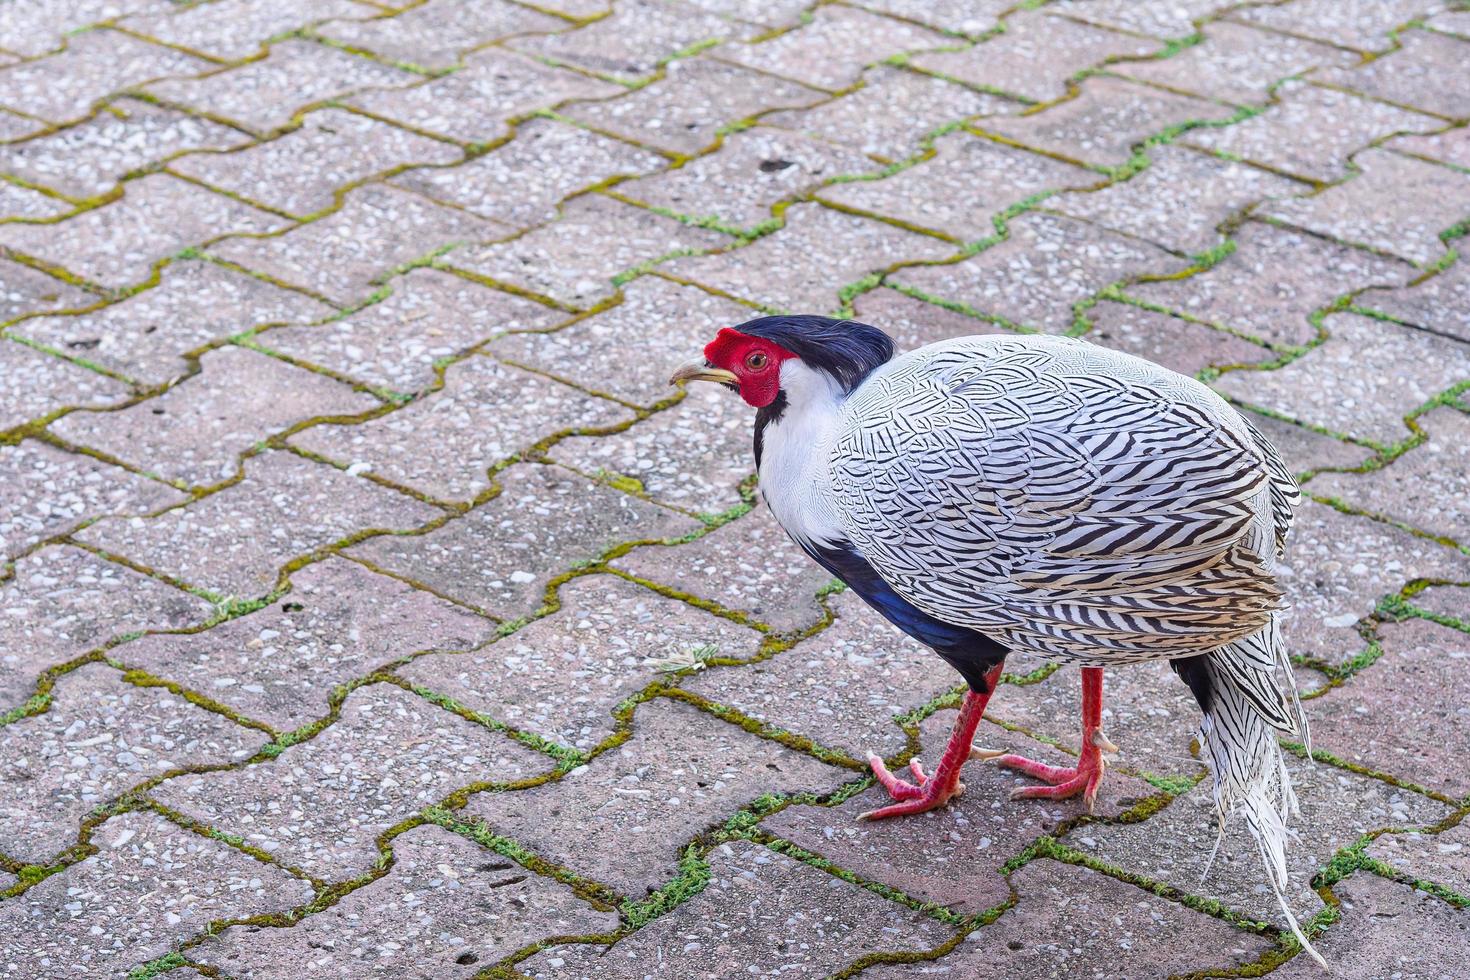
point(1064, 498)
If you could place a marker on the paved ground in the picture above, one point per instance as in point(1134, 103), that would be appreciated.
point(372, 608)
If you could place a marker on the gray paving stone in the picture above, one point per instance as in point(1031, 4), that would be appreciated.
point(1178, 345)
point(771, 13)
point(1174, 20)
point(24, 291)
point(1443, 858)
point(321, 804)
point(34, 27)
point(98, 738)
point(762, 913)
point(680, 772)
point(963, 188)
point(1414, 75)
point(37, 384)
point(45, 492)
point(562, 676)
point(1303, 450)
point(1450, 146)
point(1455, 22)
point(638, 37)
point(232, 30)
point(235, 541)
point(23, 202)
point(377, 229)
point(500, 556)
point(150, 886)
point(1365, 27)
point(968, 18)
point(435, 35)
point(395, 343)
point(912, 322)
point(1444, 600)
point(146, 335)
point(339, 622)
point(522, 183)
point(447, 905)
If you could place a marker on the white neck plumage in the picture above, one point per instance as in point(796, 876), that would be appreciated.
point(795, 481)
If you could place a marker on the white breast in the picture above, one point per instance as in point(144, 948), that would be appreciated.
point(795, 479)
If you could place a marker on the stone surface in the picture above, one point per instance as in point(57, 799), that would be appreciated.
point(321, 804)
point(681, 772)
point(26, 291)
point(339, 622)
point(38, 384)
point(560, 677)
point(831, 50)
point(1414, 75)
point(1365, 27)
point(23, 202)
point(235, 541)
point(35, 27)
point(912, 322)
point(1177, 19)
point(436, 35)
point(1448, 146)
point(640, 36)
point(500, 557)
point(1443, 858)
point(233, 30)
point(1177, 344)
point(1303, 450)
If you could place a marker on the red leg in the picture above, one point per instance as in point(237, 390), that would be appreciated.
point(935, 790)
point(1084, 777)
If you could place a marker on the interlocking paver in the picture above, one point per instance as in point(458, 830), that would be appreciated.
point(145, 336)
point(34, 27)
point(575, 258)
point(321, 804)
point(561, 677)
point(435, 35)
point(1037, 276)
point(38, 383)
point(1174, 20)
point(817, 252)
point(231, 30)
point(832, 49)
point(98, 738)
point(963, 188)
point(24, 291)
point(763, 913)
point(117, 243)
point(150, 885)
point(235, 541)
point(638, 37)
point(1443, 858)
point(1444, 600)
point(1365, 27)
point(447, 905)
point(771, 13)
point(1035, 56)
point(396, 342)
point(1440, 303)
point(912, 322)
point(62, 602)
point(1303, 450)
point(1414, 75)
point(302, 172)
point(1179, 345)
point(1450, 146)
point(680, 772)
point(970, 18)
point(23, 202)
point(341, 256)
point(339, 622)
point(522, 182)
point(501, 555)
point(1272, 281)
point(45, 492)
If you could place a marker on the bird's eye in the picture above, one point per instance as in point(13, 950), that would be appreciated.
point(755, 361)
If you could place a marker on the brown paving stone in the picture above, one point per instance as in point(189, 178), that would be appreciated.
point(1340, 123)
point(1416, 75)
point(692, 456)
point(1440, 303)
point(196, 302)
point(1442, 858)
point(751, 171)
point(629, 350)
point(1365, 27)
point(560, 677)
point(962, 189)
point(912, 322)
point(1237, 63)
point(1180, 200)
point(522, 182)
point(1178, 345)
point(892, 112)
point(1106, 120)
point(1272, 281)
point(23, 202)
point(151, 885)
point(1303, 450)
point(1388, 930)
point(1073, 921)
point(831, 50)
point(444, 444)
point(749, 565)
point(395, 343)
point(762, 914)
point(501, 555)
point(194, 432)
point(1379, 717)
point(1174, 20)
point(378, 228)
point(951, 856)
point(447, 906)
point(682, 772)
point(1450, 146)
point(436, 34)
point(684, 111)
point(1361, 382)
point(62, 87)
point(264, 95)
point(235, 29)
point(300, 173)
point(1035, 56)
point(1338, 566)
point(322, 803)
point(802, 266)
point(37, 384)
point(339, 622)
point(34, 27)
point(473, 104)
point(45, 492)
point(98, 738)
point(236, 540)
point(575, 258)
point(62, 602)
point(24, 290)
point(158, 215)
point(1040, 272)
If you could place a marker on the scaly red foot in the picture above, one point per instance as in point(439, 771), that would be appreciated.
point(1086, 775)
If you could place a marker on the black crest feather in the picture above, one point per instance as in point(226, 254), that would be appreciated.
point(846, 349)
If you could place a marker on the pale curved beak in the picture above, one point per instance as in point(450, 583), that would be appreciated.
point(699, 369)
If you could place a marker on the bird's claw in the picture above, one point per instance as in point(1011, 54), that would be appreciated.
point(1101, 741)
point(985, 755)
point(911, 798)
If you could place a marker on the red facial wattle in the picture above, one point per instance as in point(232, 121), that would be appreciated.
point(755, 361)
